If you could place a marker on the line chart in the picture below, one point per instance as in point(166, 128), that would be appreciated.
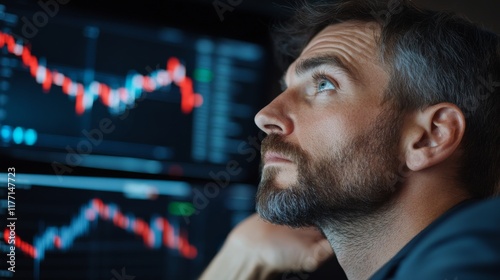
point(85, 95)
point(156, 234)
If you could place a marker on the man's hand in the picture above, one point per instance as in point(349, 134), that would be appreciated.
point(256, 249)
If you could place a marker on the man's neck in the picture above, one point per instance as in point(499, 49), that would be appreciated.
point(361, 244)
point(365, 243)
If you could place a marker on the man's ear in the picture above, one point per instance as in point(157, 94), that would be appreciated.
point(433, 135)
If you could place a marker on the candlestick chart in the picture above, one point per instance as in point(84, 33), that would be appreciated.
point(101, 94)
point(76, 229)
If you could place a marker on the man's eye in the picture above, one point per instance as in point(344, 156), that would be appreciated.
point(324, 84)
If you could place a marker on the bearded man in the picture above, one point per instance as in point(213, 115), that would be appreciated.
point(384, 144)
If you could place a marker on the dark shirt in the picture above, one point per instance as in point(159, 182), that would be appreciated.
point(462, 244)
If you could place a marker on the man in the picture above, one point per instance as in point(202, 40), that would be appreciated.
point(386, 138)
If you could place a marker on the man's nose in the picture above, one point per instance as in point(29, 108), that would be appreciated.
point(275, 117)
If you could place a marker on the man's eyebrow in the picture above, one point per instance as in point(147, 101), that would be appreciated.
point(328, 59)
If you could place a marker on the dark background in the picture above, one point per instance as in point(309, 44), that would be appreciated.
point(251, 21)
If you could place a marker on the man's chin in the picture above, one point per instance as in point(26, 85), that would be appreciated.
point(283, 206)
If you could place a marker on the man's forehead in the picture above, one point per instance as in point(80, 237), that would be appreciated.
point(354, 43)
point(359, 35)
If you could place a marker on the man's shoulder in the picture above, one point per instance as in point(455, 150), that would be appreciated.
point(462, 244)
point(471, 216)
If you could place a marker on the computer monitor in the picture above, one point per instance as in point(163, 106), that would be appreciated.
point(128, 146)
point(82, 95)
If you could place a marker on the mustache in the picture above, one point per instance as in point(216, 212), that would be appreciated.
point(276, 143)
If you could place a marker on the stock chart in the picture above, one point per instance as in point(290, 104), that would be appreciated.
point(133, 143)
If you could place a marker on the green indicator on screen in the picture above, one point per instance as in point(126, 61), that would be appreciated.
point(184, 209)
point(203, 75)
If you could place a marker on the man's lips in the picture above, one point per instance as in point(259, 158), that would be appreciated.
point(274, 157)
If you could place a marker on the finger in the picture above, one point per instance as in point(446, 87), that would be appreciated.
point(319, 253)
point(323, 250)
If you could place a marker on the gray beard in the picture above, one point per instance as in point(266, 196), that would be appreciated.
point(355, 181)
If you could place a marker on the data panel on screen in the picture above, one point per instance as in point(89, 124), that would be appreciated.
point(106, 228)
point(100, 94)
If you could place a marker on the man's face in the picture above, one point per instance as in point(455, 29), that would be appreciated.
point(332, 145)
